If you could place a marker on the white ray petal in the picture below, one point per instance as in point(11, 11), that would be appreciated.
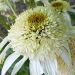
point(67, 19)
point(35, 67)
point(3, 54)
point(66, 56)
point(5, 40)
point(53, 64)
point(9, 61)
point(72, 10)
point(50, 67)
point(6, 48)
point(18, 65)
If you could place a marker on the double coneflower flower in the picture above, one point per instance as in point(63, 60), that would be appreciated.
point(60, 5)
point(40, 36)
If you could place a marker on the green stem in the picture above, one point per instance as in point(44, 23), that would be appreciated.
point(11, 8)
point(24, 1)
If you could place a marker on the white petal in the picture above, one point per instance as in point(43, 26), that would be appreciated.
point(72, 10)
point(66, 56)
point(3, 54)
point(67, 19)
point(5, 40)
point(18, 65)
point(9, 61)
point(53, 64)
point(6, 48)
point(50, 67)
point(35, 67)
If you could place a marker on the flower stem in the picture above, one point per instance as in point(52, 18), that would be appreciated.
point(24, 1)
point(9, 4)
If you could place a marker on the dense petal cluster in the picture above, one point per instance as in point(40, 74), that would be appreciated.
point(40, 36)
point(35, 28)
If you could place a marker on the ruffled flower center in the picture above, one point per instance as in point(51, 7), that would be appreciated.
point(60, 5)
point(36, 19)
point(57, 4)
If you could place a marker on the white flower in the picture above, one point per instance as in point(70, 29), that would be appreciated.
point(38, 34)
point(60, 5)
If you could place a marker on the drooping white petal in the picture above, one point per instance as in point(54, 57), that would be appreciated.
point(72, 10)
point(50, 67)
point(3, 54)
point(67, 19)
point(6, 48)
point(35, 67)
point(53, 65)
point(5, 40)
point(9, 61)
point(66, 56)
point(18, 65)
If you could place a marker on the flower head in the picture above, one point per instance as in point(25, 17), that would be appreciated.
point(60, 5)
point(38, 35)
point(34, 27)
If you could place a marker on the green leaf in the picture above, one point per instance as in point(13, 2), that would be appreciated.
point(25, 69)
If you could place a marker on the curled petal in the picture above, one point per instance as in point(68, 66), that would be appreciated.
point(18, 65)
point(3, 54)
point(9, 61)
point(5, 40)
point(67, 19)
point(66, 56)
